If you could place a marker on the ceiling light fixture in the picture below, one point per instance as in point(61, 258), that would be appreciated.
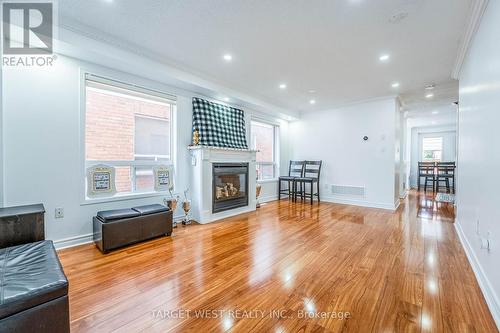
point(430, 86)
point(283, 86)
point(435, 112)
point(384, 57)
point(429, 95)
point(312, 102)
point(312, 91)
point(227, 57)
point(226, 99)
point(395, 84)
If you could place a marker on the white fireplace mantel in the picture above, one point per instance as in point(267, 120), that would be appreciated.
point(201, 180)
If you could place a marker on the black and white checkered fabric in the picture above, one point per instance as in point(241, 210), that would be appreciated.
point(219, 125)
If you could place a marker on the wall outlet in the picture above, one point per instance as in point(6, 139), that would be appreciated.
point(59, 213)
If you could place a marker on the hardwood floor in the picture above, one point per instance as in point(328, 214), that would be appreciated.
point(381, 271)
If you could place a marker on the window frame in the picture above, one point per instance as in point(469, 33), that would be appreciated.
point(276, 149)
point(141, 88)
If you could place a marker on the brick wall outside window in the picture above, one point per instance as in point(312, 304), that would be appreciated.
point(109, 131)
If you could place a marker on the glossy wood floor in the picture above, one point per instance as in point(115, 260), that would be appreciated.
point(387, 272)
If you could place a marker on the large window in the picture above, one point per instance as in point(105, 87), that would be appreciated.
point(129, 128)
point(432, 149)
point(264, 138)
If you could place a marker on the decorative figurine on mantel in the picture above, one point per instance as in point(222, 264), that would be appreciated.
point(172, 205)
point(196, 137)
point(186, 206)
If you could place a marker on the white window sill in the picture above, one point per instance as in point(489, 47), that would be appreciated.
point(123, 197)
point(264, 181)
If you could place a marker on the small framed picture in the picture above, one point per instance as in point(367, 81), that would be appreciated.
point(164, 178)
point(100, 180)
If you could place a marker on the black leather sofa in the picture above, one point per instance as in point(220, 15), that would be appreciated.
point(33, 290)
point(117, 228)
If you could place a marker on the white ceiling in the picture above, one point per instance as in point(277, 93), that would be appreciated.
point(433, 117)
point(329, 46)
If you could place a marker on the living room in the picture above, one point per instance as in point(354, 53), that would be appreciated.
point(248, 167)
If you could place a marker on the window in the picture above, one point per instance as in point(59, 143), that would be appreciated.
point(264, 139)
point(129, 128)
point(432, 149)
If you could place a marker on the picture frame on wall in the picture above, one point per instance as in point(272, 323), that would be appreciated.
point(101, 180)
point(164, 177)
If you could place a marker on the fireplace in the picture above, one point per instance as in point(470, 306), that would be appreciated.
point(230, 186)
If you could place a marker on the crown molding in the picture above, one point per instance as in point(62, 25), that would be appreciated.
point(478, 8)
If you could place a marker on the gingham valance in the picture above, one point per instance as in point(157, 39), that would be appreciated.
point(219, 125)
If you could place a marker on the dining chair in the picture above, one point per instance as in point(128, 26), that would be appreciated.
point(311, 174)
point(295, 169)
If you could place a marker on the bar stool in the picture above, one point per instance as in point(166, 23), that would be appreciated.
point(295, 169)
point(426, 170)
point(312, 171)
point(446, 173)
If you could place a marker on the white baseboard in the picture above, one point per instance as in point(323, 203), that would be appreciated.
point(268, 198)
point(73, 241)
point(357, 202)
point(484, 283)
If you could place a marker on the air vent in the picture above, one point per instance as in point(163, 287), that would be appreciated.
point(348, 190)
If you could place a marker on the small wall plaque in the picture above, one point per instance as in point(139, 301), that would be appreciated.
point(164, 178)
point(101, 180)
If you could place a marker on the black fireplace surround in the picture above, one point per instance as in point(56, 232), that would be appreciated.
point(229, 186)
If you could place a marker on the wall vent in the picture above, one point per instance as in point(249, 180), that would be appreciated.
point(358, 191)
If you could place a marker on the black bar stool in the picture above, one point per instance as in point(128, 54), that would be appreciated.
point(295, 169)
point(446, 173)
point(427, 171)
point(312, 171)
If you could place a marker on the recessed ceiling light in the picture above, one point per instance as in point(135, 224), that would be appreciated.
point(395, 84)
point(312, 101)
point(430, 86)
point(227, 57)
point(312, 91)
point(226, 99)
point(435, 112)
point(283, 86)
point(433, 123)
point(429, 95)
point(384, 57)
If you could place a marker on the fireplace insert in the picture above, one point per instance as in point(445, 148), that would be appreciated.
point(230, 186)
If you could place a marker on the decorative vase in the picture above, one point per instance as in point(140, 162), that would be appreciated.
point(186, 206)
point(258, 189)
point(172, 205)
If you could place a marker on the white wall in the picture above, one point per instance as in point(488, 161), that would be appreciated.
point(336, 137)
point(449, 147)
point(1, 139)
point(42, 141)
point(479, 156)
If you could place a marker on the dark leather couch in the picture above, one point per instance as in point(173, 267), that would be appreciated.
point(33, 290)
point(121, 227)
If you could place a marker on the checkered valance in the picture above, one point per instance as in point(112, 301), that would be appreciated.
point(219, 125)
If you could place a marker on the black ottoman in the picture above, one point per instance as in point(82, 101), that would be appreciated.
point(33, 289)
point(121, 227)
